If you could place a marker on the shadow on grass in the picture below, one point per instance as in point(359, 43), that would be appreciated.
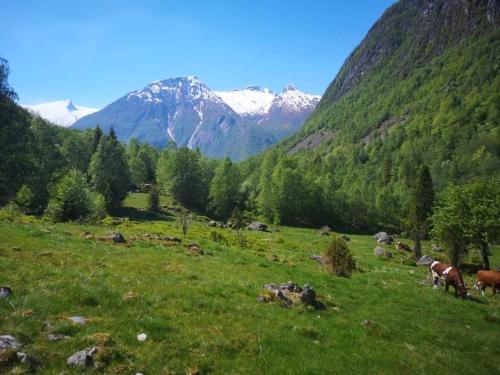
point(141, 215)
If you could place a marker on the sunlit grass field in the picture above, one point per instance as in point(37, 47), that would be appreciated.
point(201, 313)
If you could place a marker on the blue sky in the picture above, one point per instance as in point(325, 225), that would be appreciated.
point(96, 51)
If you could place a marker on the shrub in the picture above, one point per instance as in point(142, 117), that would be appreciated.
point(25, 201)
point(338, 258)
point(71, 199)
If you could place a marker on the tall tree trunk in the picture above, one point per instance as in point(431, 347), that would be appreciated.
point(484, 248)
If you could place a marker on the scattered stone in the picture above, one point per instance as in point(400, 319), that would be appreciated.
point(344, 237)
point(436, 248)
point(308, 295)
point(317, 258)
point(116, 237)
point(212, 224)
point(8, 342)
point(82, 358)
point(77, 319)
point(16, 248)
point(194, 250)
point(425, 260)
point(86, 235)
point(57, 337)
point(142, 337)
point(386, 240)
point(380, 252)
point(29, 360)
point(380, 235)
point(289, 294)
point(257, 226)
point(5, 292)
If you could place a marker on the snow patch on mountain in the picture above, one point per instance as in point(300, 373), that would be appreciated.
point(295, 100)
point(249, 101)
point(60, 112)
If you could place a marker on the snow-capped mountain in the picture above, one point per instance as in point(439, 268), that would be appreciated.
point(61, 112)
point(236, 123)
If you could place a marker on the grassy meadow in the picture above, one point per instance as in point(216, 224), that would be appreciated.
point(201, 314)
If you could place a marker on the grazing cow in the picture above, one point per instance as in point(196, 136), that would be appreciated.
point(488, 278)
point(403, 246)
point(451, 276)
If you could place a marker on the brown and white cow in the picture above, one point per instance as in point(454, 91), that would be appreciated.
point(403, 246)
point(488, 278)
point(450, 275)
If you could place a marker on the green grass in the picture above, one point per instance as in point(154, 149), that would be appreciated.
point(201, 312)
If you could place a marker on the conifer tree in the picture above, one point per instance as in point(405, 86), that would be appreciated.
point(109, 174)
point(421, 207)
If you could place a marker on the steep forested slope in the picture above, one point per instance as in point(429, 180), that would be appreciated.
point(422, 87)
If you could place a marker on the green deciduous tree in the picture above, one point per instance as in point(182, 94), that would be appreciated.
point(72, 199)
point(224, 189)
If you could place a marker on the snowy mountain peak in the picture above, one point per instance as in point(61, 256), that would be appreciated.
point(61, 112)
point(289, 87)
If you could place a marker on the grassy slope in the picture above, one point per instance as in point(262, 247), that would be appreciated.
point(202, 312)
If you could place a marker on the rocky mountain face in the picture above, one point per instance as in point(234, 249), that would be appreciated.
point(61, 112)
point(184, 110)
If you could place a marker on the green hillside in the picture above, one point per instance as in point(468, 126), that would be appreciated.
point(423, 87)
point(201, 312)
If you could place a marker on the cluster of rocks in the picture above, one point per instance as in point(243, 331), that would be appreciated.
point(194, 250)
point(214, 224)
point(289, 294)
point(383, 238)
point(115, 237)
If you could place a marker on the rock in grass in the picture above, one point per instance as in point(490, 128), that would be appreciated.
point(5, 292)
point(82, 358)
point(29, 360)
point(258, 226)
point(9, 342)
point(308, 295)
point(317, 258)
point(381, 252)
point(345, 237)
point(212, 224)
point(142, 337)
point(425, 260)
point(116, 237)
point(77, 319)
point(436, 248)
point(57, 337)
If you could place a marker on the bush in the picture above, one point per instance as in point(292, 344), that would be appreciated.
point(154, 200)
point(338, 258)
point(25, 201)
point(71, 199)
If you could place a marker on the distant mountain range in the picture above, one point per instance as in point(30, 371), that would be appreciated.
point(237, 123)
point(61, 112)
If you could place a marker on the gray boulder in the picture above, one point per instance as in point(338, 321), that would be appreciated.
point(257, 226)
point(326, 228)
point(380, 235)
point(308, 295)
point(212, 224)
point(317, 258)
point(77, 319)
point(425, 260)
point(82, 358)
point(380, 252)
point(387, 240)
point(116, 237)
point(9, 342)
point(5, 292)
point(436, 248)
